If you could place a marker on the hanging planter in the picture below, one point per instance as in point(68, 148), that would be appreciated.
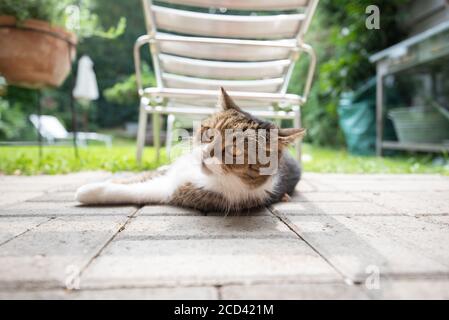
point(35, 54)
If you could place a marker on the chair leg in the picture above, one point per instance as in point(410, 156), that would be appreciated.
point(297, 124)
point(156, 122)
point(169, 138)
point(141, 133)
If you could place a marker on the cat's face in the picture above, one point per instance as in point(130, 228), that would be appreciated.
point(236, 143)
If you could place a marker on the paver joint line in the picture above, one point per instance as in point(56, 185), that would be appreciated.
point(291, 226)
point(27, 230)
point(122, 227)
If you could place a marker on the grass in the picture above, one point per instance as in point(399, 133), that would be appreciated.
point(318, 159)
point(61, 159)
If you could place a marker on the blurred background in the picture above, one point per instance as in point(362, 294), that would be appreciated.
point(412, 129)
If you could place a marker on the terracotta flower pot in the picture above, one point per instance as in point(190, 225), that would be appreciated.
point(35, 54)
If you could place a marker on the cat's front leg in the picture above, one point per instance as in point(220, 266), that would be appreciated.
point(157, 190)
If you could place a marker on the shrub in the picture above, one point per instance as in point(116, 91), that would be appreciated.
point(125, 92)
point(12, 120)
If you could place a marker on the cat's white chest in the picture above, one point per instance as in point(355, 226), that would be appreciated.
point(188, 169)
point(235, 190)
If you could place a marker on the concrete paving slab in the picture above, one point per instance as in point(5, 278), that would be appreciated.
point(441, 220)
point(54, 209)
point(305, 185)
point(324, 197)
point(325, 177)
point(389, 185)
point(46, 256)
point(412, 289)
point(163, 210)
point(359, 246)
point(412, 203)
point(177, 293)
point(260, 212)
point(7, 198)
point(11, 227)
point(208, 227)
point(430, 240)
point(303, 291)
point(379, 182)
point(65, 196)
point(390, 228)
point(331, 208)
point(199, 262)
point(47, 182)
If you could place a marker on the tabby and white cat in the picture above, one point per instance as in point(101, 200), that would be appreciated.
point(204, 181)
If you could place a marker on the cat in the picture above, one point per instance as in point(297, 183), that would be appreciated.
point(202, 180)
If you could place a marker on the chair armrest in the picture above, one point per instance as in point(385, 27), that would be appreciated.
point(311, 71)
point(145, 39)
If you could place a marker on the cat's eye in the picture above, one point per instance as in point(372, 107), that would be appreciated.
point(207, 135)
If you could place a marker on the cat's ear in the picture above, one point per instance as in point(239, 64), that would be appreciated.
point(289, 135)
point(226, 102)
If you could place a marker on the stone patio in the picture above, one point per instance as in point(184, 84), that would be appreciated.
point(341, 236)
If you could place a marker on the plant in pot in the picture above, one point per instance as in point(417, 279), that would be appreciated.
point(38, 39)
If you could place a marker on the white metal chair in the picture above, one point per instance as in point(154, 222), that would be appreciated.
point(202, 46)
point(52, 130)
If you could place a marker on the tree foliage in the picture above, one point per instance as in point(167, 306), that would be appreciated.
point(125, 92)
point(75, 15)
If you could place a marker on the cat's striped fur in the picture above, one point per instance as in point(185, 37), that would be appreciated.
point(193, 181)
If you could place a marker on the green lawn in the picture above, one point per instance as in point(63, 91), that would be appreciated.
point(318, 159)
point(61, 159)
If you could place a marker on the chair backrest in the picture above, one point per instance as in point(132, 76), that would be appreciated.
point(228, 56)
point(50, 127)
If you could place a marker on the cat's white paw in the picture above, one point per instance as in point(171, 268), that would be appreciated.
point(91, 193)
